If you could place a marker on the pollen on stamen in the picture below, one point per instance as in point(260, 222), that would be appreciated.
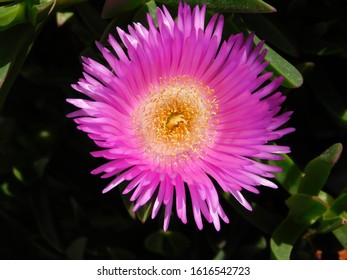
point(175, 119)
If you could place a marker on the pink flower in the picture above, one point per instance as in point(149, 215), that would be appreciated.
point(179, 107)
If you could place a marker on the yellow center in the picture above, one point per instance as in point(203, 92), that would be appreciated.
point(175, 120)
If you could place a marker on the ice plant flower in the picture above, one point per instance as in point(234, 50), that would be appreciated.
point(181, 112)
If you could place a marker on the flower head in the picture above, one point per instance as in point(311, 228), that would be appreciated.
point(180, 107)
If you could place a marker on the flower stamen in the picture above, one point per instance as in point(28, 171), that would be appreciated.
point(175, 120)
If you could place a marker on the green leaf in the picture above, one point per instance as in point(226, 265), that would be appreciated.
point(151, 8)
point(63, 17)
point(325, 91)
point(170, 244)
point(129, 205)
point(220, 255)
point(230, 6)
point(11, 15)
point(330, 224)
point(113, 8)
point(281, 67)
point(327, 198)
point(5, 188)
point(278, 65)
point(38, 11)
point(304, 210)
point(272, 33)
point(339, 205)
point(14, 48)
point(145, 211)
point(290, 176)
point(284, 238)
point(341, 235)
point(18, 174)
point(317, 171)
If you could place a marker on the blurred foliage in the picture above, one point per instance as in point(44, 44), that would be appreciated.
point(52, 208)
